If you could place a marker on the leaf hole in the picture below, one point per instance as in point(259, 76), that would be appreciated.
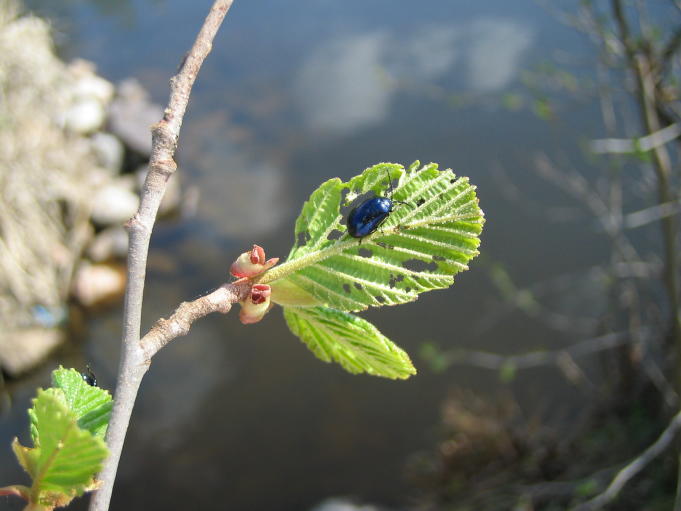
point(380, 298)
point(346, 201)
point(334, 235)
point(394, 279)
point(303, 238)
point(419, 266)
point(452, 181)
point(420, 202)
point(347, 288)
point(364, 252)
point(358, 286)
point(407, 289)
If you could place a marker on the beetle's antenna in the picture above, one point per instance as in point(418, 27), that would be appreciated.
point(390, 182)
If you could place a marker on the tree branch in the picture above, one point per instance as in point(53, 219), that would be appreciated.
point(165, 330)
point(634, 467)
point(134, 360)
point(495, 361)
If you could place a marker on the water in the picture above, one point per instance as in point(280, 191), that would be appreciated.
point(295, 93)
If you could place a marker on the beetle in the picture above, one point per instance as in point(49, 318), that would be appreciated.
point(368, 216)
point(89, 376)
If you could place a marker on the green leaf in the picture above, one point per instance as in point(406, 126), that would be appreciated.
point(65, 457)
point(420, 247)
point(90, 405)
point(353, 342)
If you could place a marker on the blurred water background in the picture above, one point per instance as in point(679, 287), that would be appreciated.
point(295, 93)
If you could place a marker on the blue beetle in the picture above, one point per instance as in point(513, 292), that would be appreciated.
point(368, 216)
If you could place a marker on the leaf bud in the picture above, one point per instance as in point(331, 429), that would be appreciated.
point(252, 263)
point(254, 308)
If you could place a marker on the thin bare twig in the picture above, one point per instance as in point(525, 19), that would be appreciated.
point(630, 145)
point(165, 330)
point(134, 361)
point(496, 361)
point(634, 467)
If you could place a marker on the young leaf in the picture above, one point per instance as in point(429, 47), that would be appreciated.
point(353, 342)
point(65, 457)
point(90, 405)
point(420, 247)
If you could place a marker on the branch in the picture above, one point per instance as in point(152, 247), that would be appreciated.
point(630, 145)
point(165, 330)
point(669, 51)
point(634, 467)
point(494, 361)
point(651, 214)
point(165, 134)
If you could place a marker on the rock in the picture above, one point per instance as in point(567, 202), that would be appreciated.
point(21, 350)
point(111, 243)
point(114, 204)
point(98, 284)
point(131, 115)
point(85, 116)
point(49, 317)
point(342, 504)
point(88, 84)
point(108, 150)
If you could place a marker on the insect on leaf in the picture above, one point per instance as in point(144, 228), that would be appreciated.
point(419, 247)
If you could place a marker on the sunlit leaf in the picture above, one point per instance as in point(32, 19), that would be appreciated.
point(91, 405)
point(65, 457)
point(420, 247)
point(353, 342)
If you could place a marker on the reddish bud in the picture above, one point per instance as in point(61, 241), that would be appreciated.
point(254, 308)
point(260, 293)
point(250, 264)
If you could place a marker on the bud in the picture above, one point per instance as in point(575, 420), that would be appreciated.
point(250, 264)
point(254, 308)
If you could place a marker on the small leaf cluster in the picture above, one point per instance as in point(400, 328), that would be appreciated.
point(431, 235)
point(67, 426)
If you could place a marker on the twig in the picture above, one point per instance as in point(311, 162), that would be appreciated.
point(495, 361)
point(651, 214)
point(677, 497)
point(165, 134)
point(633, 467)
point(165, 330)
point(630, 145)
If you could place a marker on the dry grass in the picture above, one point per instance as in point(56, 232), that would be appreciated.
point(45, 176)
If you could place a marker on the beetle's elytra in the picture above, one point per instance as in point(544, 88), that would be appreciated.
point(368, 216)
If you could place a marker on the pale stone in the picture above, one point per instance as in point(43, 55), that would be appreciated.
point(21, 350)
point(111, 243)
point(109, 151)
point(85, 116)
point(98, 283)
point(93, 86)
point(114, 204)
point(131, 115)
